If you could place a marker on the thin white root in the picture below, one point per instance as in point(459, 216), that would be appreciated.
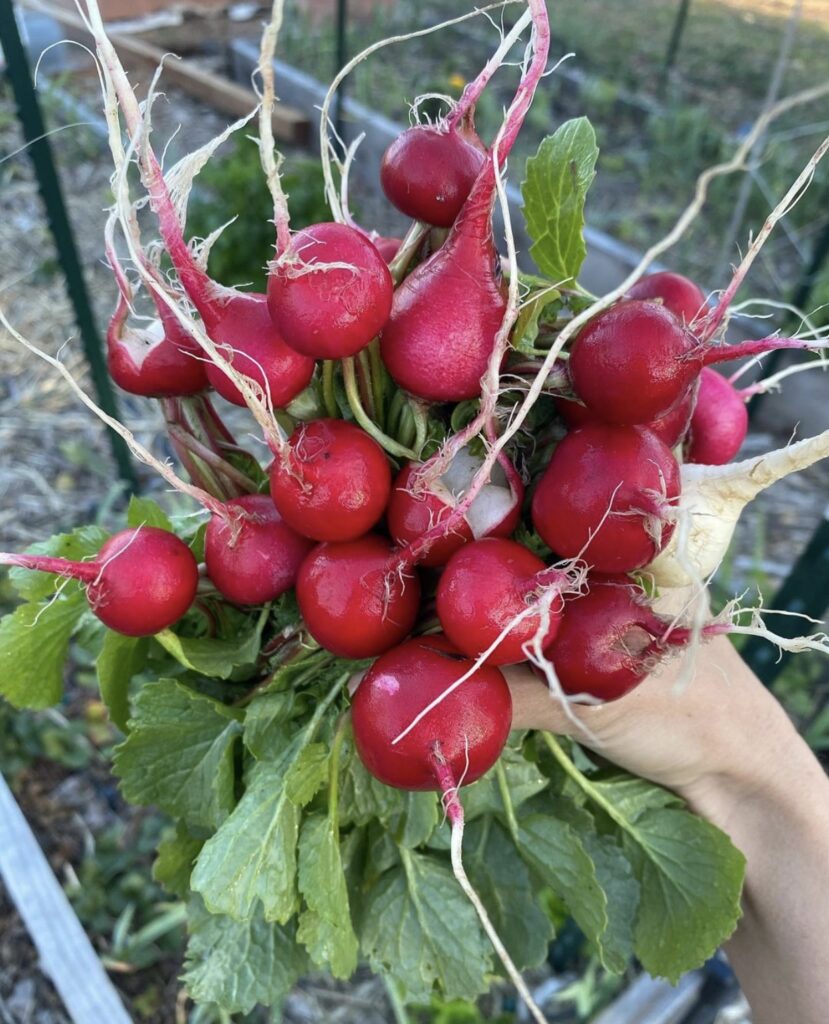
point(267, 146)
point(732, 612)
point(463, 881)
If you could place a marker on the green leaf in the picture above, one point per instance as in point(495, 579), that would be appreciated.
point(362, 797)
point(145, 512)
point(503, 883)
point(268, 728)
point(252, 857)
point(416, 821)
point(524, 781)
point(632, 796)
point(214, 657)
point(179, 753)
point(325, 927)
point(531, 316)
point(237, 965)
point(557, 855)
point(615, 875)
point(558, 177)
point(34, 643)
point(76, 546)
point(419, 928)
point(177, 853)
point(120, 659)
point(691, 878)
point(307, 774)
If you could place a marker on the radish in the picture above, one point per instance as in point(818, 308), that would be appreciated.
point(720, 421)
point(670, 428)
point(332, 481)
point(678, 294)
point(418, 506)
point(604, 497)
point(354, 598)
point(140, 582)
point(609, 640)
point(253, 556)
point(158, 361)
point(448, 312)
point(712, 500)
point(429, 170)
point(636, 361)
point(330, 292)
point(487, 586)
point(387, 247)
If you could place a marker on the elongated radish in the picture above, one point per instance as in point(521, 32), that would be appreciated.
point(679, 294)
point(719, 423)
point(354, 599)
point(140, 582)
point(253, 556)
point(418, 505)
point(712, 499)
point(605, 496)
point(332, 481)
point(490, 584)
point(330, 292)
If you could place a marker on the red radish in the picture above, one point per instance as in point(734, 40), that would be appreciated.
point(418, 507)
point(244, 332)
point(429, 170)
point(720, 421)
point(678, 294)
point(354, 600)
point(468, 734)
point(670, 428)
point(331, 292)
point(252, 556)
point(158, 361)
point(484, 587)
point(387, 247)
point(140, 582)
point(604, 497)
point(333, 481)
point(608, 641)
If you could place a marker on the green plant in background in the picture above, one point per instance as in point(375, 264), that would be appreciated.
point(233, 187)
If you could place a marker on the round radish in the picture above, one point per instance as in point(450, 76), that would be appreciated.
point(484, 587)
point(331, 293)
point(670, 428)
point(678, 294)
point(354, 600)
point(333, 481)
point(428, 172)
point(720, 421)
point(387, 247)
point(418, 506)
point(244, 330)
point(604, 495)
point(468, 731)
point(252, 556)
point(140, 582)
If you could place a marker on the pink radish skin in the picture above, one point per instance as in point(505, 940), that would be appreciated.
point(428, 172)
point(624, 475)
point(252, 556)
point(483, 588)
point(678, 294)
point(354, 600)
point(719, 424)
point(387, 247)
point(332, 482)
point(140, 582)
point(670, 428)
point(330, 313)
point(466, 737)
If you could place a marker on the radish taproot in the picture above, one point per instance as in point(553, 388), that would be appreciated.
point(605, 497)
point(331, 482)
point(142, 580)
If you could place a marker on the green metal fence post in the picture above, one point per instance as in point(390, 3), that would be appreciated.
point(40, 153)
point(673, 44)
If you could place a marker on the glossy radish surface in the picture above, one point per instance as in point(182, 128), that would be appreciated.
point(330, 312)
point(604, 496)
point(252, 556)
point(679, 294)
point(353, 602)
point(469, 729)
point(428, 172)
point(633, 363)
point(483, 588)
point(720, 421)
point(334, 481)
point(245, 333)
point(670, 428)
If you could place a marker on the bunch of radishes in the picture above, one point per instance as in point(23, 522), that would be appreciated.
point(422, 516)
